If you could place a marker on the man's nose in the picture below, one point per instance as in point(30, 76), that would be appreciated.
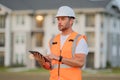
point(59, 21)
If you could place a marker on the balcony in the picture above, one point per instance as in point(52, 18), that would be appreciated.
point(90, 29)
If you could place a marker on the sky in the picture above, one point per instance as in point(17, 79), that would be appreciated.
point(118, 1)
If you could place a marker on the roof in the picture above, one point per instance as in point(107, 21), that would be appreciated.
point(52, 4)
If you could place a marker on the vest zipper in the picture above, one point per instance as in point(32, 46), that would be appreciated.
point(59, 68)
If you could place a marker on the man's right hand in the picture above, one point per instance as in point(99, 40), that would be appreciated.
point(42, 62)
point(39, 58)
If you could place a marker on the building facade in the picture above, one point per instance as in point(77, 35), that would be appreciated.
point(23, 29)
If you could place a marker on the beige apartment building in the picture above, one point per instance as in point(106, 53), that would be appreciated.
point(29, 24)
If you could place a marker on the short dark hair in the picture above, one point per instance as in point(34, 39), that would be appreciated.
point(71, 17)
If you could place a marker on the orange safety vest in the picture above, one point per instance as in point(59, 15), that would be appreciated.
point(66, 72)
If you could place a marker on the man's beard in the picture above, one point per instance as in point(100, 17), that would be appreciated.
point(63, 29)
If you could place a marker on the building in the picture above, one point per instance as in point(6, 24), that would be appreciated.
point(29, 24)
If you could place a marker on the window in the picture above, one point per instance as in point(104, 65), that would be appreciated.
point(90, 20)
point(1, 59)
point(53, 19)
point(22, 39)
point(90, 60)
point(119, 25)
point(39, 21)
point(16, 58)
point(114, 23)
point(19, 38)
point(2, 39)
point(102, 21)
point(114, 50)
point(39, 39)
point(119, 51)
point(91, 38)
point(114, 37)
point(2, 21)
point(20, 19)
point(77, 19)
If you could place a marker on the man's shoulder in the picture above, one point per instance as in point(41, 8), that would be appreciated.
point(82, 36)
point(56, 36)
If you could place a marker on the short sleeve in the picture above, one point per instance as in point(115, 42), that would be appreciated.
point(82, 47)
point(48, 50)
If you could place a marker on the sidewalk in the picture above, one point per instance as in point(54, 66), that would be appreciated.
point(18, 69)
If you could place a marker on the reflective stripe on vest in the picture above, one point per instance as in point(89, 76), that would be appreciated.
point(74, 44)
point(61, 66)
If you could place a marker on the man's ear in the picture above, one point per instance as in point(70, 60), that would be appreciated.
point(71, 21)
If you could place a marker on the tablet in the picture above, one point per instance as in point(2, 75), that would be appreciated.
point(33, 52)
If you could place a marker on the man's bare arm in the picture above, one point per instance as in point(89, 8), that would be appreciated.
point(77, 61)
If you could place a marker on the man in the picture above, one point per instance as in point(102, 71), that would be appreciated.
point(67, 51)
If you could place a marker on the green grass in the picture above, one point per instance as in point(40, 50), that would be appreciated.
point(103, 71)
point(112, 71)
point(3, 69)
point(100, 71)
point(6, 69)
point(116, 70)
point(37, 70)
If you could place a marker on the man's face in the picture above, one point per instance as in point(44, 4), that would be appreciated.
point(64, 23)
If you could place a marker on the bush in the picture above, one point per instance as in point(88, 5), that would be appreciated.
point(108, 64)
point(17, 65)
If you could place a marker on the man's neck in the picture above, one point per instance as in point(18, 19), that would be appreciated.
point(67, 32)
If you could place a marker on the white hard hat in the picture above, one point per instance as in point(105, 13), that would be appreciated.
point(65, 11)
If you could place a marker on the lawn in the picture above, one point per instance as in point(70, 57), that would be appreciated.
point(85, 71)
